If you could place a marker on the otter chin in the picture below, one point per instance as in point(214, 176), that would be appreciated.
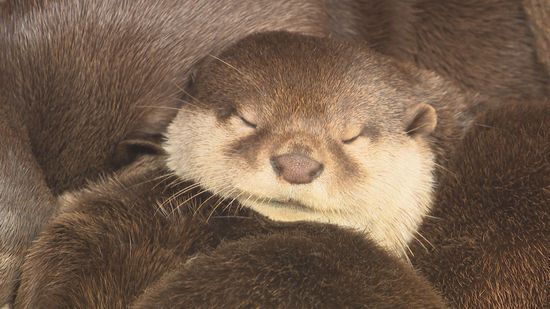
point(298, 128)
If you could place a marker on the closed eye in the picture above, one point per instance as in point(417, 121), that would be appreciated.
point(369, 131)
point(351, 140)
point(248, 123)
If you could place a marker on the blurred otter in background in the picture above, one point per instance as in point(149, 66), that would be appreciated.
point(489, 243)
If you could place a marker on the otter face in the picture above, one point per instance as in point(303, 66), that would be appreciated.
point(303, 128)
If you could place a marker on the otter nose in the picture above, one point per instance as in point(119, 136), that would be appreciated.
point(296, 168)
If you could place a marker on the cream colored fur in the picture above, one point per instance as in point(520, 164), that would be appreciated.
point(389, 202)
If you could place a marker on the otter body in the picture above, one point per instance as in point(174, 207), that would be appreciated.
point(489, 243)
point(86, 85)
point(139, 239)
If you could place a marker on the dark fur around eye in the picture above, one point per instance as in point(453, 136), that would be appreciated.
point(226, 112)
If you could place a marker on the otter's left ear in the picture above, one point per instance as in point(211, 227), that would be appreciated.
point(420, 120)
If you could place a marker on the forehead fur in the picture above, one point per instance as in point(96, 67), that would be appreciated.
point(286, 75)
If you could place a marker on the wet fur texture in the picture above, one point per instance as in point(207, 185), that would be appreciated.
point(137, 239)
point(86, 85)
point(489, 243)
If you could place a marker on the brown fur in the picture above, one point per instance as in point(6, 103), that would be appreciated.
point(86, 84)
point(489, 245)
point(113, 246)
point(487, 46)
point(53, 58)
point(538, 12)
point(4, 8)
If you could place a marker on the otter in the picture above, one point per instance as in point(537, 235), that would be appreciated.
point(489, 243)
point(87, 85)
point(298, 127)
point(143, 239)
point(345, 111)
point(54, 55)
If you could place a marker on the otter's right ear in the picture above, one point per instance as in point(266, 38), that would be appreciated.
point(130, 149)
point(420, 120)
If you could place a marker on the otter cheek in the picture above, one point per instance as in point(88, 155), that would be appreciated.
point(408, 193)
point(193, 148)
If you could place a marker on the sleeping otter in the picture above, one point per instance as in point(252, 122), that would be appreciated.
point(489, 245)
point(297, 128)
point(34, 169)
point(53, 57)
point(265, 110)
point(103, 227)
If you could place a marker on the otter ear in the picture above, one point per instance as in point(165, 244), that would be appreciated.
point(420, 120)
point(146, 138)
point(131, 148)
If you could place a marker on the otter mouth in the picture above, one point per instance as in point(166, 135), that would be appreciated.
point(290, 203)
point(254, 200)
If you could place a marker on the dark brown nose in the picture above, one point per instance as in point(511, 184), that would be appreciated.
point(296, 168)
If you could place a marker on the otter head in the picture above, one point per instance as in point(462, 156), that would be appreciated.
point(305, 128)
